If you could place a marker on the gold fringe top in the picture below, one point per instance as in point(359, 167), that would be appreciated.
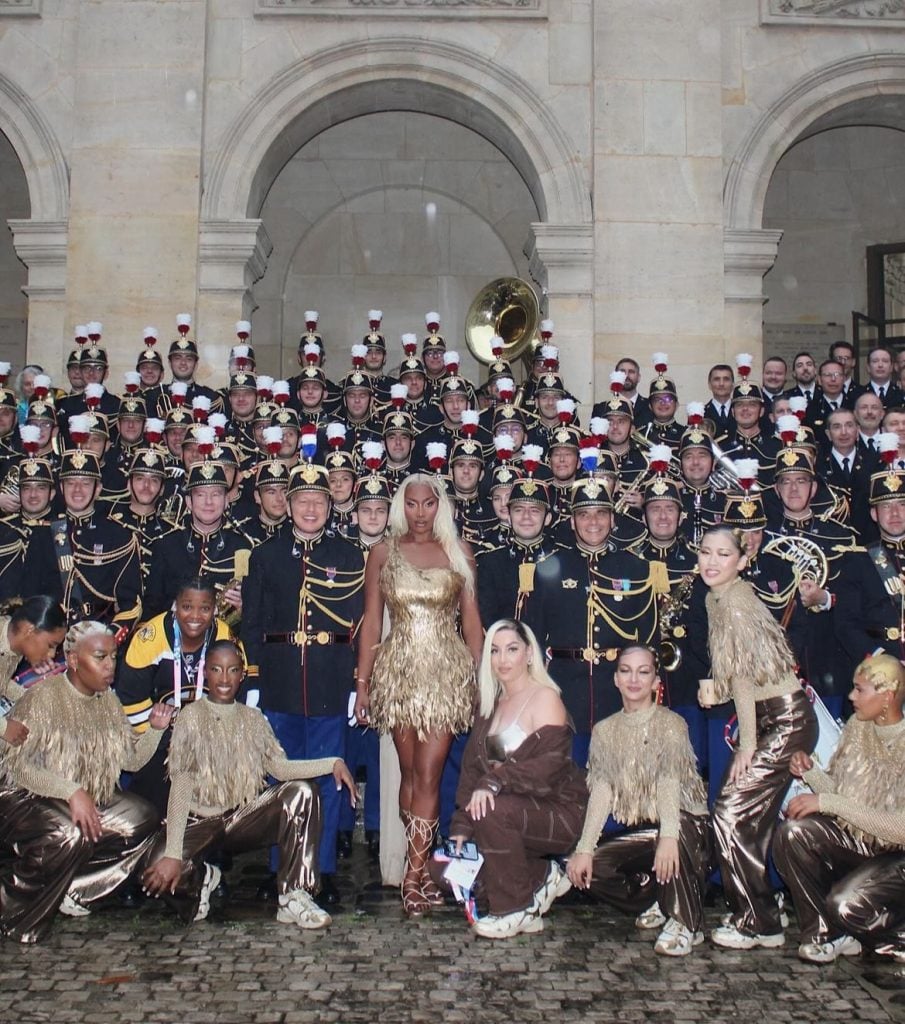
point(74, 742)
point(219, 759)
point(863, 785)
point(9, 661)
point(642, 769)
point(744, 639)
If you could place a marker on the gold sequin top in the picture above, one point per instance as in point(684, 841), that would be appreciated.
point(642, 769)
point(219, 759)
point(9, 661)
point(863, 785)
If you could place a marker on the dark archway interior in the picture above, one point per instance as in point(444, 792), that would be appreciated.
point(14, 204)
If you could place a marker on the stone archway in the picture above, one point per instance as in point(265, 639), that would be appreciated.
point(364, 77)
point(811, 103)
point(41, 240)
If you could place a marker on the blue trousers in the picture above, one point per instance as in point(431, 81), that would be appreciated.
point(362, 751)
point(581, 748)
point(449, 781)
point(305, 737)
point(696, 721)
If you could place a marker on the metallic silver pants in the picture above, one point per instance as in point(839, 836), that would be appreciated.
point(813, 854)
point(745, 814)
point(623, 871)
point(51, 857)
point(288, 814)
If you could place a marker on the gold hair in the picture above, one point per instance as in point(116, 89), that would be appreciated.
point(884, 672)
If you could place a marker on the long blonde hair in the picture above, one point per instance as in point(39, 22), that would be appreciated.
point(489, 687)
point(444, 525)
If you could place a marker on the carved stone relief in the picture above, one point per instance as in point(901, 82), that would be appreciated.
point(22, 8)
point(860, 13)
point(417, 8)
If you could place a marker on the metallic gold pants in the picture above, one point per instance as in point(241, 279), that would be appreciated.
point(814, 854)
point(869, 903)
point(745, 814)
point(288, 814)
point(623, 871)
point(51, 857)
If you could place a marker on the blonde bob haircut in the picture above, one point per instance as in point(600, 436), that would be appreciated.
point(81, 631)
point(488, 685)
point(444, 525)
point(885, 673)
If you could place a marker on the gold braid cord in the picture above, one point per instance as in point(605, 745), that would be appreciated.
point(322, 593)
point(620, 624)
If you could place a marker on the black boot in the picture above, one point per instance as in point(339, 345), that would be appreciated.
point(267, 890)
point(344, 845)
point(373, 840)
point(329, 894)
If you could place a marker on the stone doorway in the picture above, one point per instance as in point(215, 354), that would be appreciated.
point(14, 204)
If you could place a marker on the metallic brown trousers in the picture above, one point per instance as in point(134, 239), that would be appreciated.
point(745, 814)
point(623, 871)
point(46, 856)
point(288, 814)
point(839, 887)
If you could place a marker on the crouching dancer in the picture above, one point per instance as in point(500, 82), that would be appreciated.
point(220, 754)
point(642, 772)
point(75, 835)
point(842, 849)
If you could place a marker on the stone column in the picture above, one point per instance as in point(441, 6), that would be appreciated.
point(42, 245)
point(561, 260)
point(232, 256)
point(748, 254)
point(658, 188)
point(135, 170)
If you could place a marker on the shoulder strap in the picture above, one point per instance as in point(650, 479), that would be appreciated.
point(62, 549)
point(888, 572)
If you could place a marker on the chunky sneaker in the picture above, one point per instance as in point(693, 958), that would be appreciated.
point(73, 907)
point(729, 937)
point(653, 917)
point(676, 939)
point(521, 922)
point(211, 881)
point(827, 952)
point(556, 884)
point(298, 907)
point(781, 906)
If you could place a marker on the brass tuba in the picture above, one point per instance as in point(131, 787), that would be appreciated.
point(506, 307)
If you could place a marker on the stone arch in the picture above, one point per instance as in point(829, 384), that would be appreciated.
point(812, 98)
point(39, 153)
point(359, 77)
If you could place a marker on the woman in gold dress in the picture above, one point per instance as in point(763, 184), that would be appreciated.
point(419, 684)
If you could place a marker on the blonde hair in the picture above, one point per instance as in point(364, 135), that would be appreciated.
point(444, 525)
point(80, 631)
point(884, 672)
point(489, 688)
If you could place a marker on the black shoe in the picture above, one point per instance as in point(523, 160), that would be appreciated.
point(329, 894)
point(222, 890)
point(344, 845)
point(373, 841)
point(267, 890)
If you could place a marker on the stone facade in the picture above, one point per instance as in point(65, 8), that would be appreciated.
point(210, 156)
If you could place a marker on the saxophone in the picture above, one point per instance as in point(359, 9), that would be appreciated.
point(671, 607)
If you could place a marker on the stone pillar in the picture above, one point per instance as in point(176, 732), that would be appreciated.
point(748, 253)
point(138, 88)
point(232, 256)
point(42, 247)
point(561, 260)
point(658, 188)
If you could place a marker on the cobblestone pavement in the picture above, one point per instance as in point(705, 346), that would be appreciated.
point(241, 966)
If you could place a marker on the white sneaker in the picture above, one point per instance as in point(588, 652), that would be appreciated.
point(729, 937)
point(72, 907)
point(211, 881)
point(653, 917)
point(827, 952)
point(556, 884)
point(298, 907)
point(520, 922)
point(781, 905)
point(676, 939)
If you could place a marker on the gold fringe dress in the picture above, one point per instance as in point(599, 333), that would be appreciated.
point(423, 675)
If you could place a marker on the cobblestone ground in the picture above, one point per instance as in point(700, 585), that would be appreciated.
point(372, 966)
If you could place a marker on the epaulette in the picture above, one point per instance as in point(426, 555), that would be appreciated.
point(859, 548)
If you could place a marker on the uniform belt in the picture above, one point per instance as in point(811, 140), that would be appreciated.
point(593, 655)
point(300, 638)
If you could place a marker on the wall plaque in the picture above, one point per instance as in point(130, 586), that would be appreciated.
point(845, 13)
point(412, 8)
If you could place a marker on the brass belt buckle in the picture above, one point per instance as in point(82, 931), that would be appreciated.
point(611, 654)
point(893, 633)
point(322, 637)
point(590, 655)
point(298, 638)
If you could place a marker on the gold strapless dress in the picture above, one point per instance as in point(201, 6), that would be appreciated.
point(423, 674)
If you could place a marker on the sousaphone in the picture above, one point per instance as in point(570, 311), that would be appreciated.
point(506, 307)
